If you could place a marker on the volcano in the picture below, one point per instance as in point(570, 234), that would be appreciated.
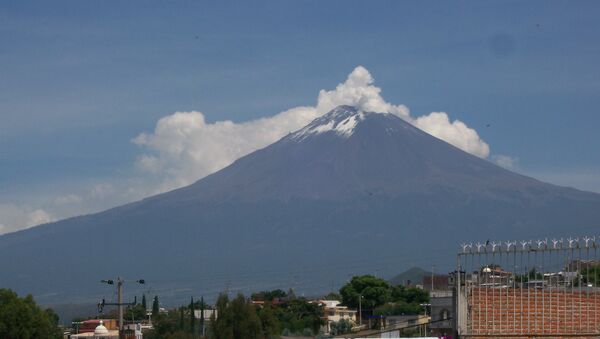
point(352, 192)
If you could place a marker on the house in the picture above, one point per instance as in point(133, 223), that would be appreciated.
point(333, 313)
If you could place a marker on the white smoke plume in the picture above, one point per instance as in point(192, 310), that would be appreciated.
point(184, 148)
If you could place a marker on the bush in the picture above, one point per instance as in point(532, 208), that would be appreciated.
point(341, 327)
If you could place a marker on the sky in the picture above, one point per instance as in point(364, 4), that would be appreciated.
point(104, 103)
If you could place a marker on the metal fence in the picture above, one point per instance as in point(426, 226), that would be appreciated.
point(542, 288)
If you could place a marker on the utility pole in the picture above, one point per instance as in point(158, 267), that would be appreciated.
point(432, 275)
point(120, 302)
point(360, 311)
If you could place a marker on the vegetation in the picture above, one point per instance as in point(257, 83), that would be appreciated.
point(532, 275)
point(237, 319)
point(22, 318)
point(135, 312)
point(298, 316)
point(403, 300)
point(169, 325)
point(282, 313)
point(192, 317)
point(341, 327)
point(268, 295)
point(374, 292)
point(155, 307)
point(333, 296)
point(398, 308)
point(410, 295)
point(381, 298)
point(590, 275)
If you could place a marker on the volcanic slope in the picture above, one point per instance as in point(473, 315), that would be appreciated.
point(352, 192)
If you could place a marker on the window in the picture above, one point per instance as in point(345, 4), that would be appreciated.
point(444, 314)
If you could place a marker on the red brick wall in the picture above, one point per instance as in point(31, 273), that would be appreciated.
point(532, 311)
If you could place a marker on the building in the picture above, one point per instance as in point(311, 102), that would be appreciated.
point(133, 331)
point(442, 312)
point(89, 326)
point(441, 282)
point(99, 332)
point(207, 314)
point(528, 289)
point(333, 313)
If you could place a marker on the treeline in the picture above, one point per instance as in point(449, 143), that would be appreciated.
point(279, 313)
point(266, 314)
point(380, 298)
point(271, 314)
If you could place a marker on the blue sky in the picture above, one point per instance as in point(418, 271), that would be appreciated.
point(80, 80)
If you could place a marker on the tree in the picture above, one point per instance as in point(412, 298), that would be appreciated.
point(202, 315)
point(270, 323)
point(374, 291)
point(332, 296)
point(590, 275)
point(237, 319)
point(221, 327)
point(409, 294)
point(155, 307)
point(22, 318)
point(192, 317)
point(167, 326)
point(181, 322)
point(135, 312)
point(403, 300)
point(268, 295)
point(298, 314)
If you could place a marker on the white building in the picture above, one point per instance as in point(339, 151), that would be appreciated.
point(333, 312)
point(101, 332)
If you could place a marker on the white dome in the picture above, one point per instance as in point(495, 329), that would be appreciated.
point(100, 329)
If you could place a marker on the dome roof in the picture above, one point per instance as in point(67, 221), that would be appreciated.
point(100, 329)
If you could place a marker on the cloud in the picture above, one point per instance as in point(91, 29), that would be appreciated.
point(506, 161)
point(456, 133)
point(68, 199)
point(101, 190)
point(16, 217)
point(38, 207)
point(184, 148)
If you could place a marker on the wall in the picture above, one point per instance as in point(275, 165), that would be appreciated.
point(533, 311)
